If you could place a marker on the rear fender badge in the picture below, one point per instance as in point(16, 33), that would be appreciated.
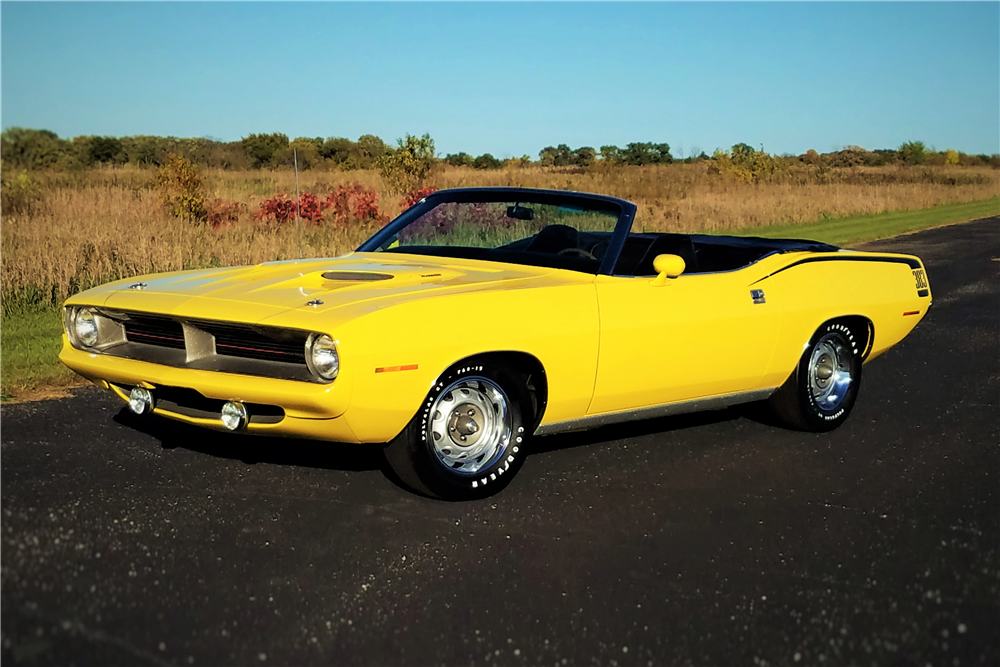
point(758, 296)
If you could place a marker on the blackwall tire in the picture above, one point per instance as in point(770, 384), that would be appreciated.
point(468, 439)
point(820, 394)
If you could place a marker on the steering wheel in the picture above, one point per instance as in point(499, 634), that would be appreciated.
point(576, 252)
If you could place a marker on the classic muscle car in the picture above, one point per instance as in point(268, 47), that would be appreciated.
point(480, 319)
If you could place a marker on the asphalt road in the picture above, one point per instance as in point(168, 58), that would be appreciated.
point(712, 539)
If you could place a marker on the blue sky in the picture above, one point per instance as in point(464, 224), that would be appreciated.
point(511, 78)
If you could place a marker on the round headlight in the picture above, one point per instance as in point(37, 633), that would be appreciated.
point(85, 327)
point(322, 357)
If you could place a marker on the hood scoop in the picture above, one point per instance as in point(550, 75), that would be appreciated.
point(356, 276)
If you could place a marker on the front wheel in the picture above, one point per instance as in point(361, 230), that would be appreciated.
point(467, 440)
point(819, 395)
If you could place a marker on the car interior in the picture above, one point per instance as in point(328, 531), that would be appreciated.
point(563, 247)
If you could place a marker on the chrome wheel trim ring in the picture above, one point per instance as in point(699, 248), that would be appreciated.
point(831, 372)
point(461, 444)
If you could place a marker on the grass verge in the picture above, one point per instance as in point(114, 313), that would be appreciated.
point(857, 229)
point(30, 340)
point(29, 350)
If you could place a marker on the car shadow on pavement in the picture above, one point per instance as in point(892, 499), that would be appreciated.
point(253, 449)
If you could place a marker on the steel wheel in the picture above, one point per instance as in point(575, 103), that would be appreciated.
point(821, 391)
point(830, 372)
point(469, 427)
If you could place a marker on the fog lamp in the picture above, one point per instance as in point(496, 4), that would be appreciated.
point(234, 416)
point(140, 401)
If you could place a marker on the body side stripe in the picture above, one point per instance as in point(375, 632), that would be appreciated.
point(912, 263)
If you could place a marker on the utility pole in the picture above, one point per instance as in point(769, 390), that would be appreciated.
point(298, 220)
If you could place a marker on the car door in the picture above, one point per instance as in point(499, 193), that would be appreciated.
point(694, 336)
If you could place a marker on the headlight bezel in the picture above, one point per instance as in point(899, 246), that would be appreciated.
point(71, 322)
point(328, 343)
point(108, 331)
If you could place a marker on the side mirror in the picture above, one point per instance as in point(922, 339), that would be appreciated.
point(667, 267)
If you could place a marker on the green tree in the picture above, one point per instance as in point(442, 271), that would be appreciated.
point(584, 156)
point(744, 163)
point(405, 168)
point(556, 156)
point(144, 151)
point(516, 162)
point(913, 152)
point(811, 157)
point(104, 150)
point(337, 150)
point(459, 160)
point(371, 149)
point(611, 154)
point(303, 148)
point(260, 148)
point(32, 149)
point(181, 189)
point(20, 194)
point(486, 161)
point(639, 154)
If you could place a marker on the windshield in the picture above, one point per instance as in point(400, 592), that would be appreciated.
point(568, 236)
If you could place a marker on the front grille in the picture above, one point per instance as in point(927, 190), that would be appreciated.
point(154, 330)
point(210, 345)
point(266, 344)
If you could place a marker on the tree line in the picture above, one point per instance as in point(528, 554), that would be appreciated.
point(42, 149)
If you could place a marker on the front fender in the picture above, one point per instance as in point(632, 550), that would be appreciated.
point(398, 352)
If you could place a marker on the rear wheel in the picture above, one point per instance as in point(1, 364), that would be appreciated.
point(467, 440)
point(821, 392)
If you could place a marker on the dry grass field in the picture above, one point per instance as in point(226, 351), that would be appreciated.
point(79, 229)
point(107, 223)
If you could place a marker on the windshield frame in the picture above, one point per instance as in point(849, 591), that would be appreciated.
point(625, 210)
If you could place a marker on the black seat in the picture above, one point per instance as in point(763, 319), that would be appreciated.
point(668, 244)
point(553, 239)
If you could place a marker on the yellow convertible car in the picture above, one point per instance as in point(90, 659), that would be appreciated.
point(482, 318)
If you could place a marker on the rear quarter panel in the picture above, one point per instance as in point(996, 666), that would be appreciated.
point(805, 294)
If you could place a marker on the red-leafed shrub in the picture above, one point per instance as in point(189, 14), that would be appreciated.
point(346, 203)
point(353, 201)
point(414, 196)
point(278, 208)
point(310, 208)
point(220, 213)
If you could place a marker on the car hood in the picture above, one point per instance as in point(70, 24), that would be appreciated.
point(356, 282)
